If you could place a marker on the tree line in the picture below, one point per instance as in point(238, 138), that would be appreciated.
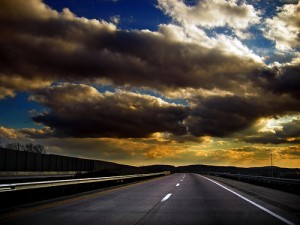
point(29, 147)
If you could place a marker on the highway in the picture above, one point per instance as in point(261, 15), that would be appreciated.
point(185, 199)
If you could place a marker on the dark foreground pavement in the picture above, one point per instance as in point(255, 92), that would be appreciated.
point(176, 199)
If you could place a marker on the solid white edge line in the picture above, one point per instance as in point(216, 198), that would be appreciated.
point(251, 202)
point(166, 197)
point(177, 185)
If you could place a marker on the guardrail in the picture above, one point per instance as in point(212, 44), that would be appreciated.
point(259, 178)
point(44, 184)
point(288, 185)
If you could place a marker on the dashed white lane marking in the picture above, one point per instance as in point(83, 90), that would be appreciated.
point(177, 185)
point(182, 177)
point(166, 197)
point(251, 202)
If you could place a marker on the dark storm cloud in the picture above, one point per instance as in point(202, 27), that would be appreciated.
point(288, 81)
point(283, 79)
point(224, 116)
point(219, 116)
point(81, 111)
point(38, 42)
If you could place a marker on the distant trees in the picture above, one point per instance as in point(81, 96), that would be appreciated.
point(29, 147)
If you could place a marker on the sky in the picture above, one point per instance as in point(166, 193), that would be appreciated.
point(145, 82)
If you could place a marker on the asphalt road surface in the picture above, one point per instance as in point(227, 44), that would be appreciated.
point(176, 199)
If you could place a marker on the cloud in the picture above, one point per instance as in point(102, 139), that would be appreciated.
point(61, 46)
point(82, 111)
point(141, 152)
point(281, 78)
point(16, 82)
point(223, 116)
point(227, 87)
point(284, 27)
point(211, 14)
point(24, 134)
point(6, 92)
point(290, 152)
point(258, 155)
point(288, 80)
point(284, 132)
point(156, 150)
point(9, 133)
point(77, 110)
point(33, 133)
point(115, 19)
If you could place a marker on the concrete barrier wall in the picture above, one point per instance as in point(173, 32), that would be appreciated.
point(12, 160)
point(2, 159)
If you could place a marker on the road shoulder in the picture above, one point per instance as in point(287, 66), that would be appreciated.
point(287, 202)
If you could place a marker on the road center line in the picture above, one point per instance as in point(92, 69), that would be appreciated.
point(166, 197)
point(177, 185)
point(251, 202)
